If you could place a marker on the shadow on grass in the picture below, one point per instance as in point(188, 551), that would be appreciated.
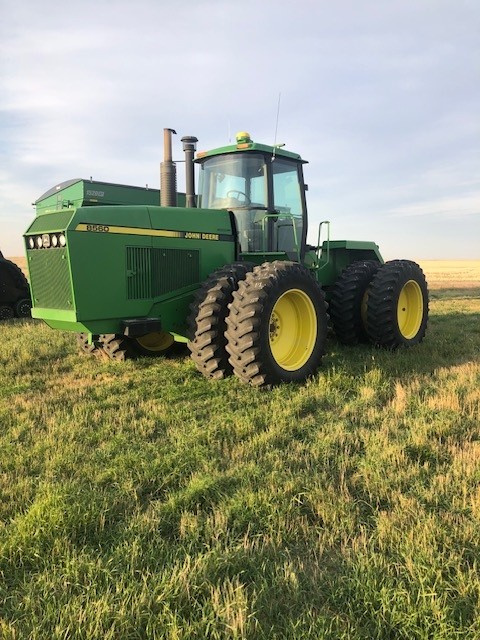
point(451, 340)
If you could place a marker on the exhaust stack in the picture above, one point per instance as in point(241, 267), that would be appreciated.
point(168, 172)
point(189, 147)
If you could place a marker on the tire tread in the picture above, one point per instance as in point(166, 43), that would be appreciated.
point(207, 319)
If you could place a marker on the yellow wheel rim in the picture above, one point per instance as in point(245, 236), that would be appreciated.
point(156, 341)
point(410, 309)
point(292, 330)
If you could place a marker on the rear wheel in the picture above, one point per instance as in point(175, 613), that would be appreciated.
point(348, 303)
point(207, 320)
point(397, 307)
point(277, 325)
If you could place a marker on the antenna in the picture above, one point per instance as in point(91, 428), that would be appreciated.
point(276, 126)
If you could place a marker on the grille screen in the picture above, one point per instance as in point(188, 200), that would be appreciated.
point(154, 272)
point(50, 278)
point(51, 222)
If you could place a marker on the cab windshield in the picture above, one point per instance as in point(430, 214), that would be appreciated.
point(267, 220)
point(234, 181)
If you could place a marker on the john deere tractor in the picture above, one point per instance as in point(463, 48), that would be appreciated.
point(230, 272)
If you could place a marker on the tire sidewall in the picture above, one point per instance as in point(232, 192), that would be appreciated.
point(410, 271)
point(288, 281)
point(411, 275)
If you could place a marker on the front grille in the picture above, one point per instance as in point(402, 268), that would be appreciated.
point(51, 222)
point(50, 279)
point(153, 272)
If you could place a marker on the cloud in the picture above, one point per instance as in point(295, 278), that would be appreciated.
point(451, 208)
point(382, 99)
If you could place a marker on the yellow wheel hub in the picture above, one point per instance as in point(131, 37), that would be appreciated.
point(410, 309)
point(292, 329)
point(156, 341)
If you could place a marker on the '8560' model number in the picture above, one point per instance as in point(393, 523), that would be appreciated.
point(101, 228)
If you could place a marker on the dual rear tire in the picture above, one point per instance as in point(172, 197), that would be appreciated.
point(386, 305)
point(397, 306)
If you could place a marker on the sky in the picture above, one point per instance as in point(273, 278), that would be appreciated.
point(381, 97)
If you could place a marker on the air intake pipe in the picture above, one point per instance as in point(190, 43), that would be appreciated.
point(168, 172)
point(189, 147)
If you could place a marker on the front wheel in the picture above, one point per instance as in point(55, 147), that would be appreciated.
point(207, 320)
point(90, 347)
point(397, 305)
point(277, 325)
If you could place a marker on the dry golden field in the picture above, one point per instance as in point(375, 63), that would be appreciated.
point(440, 274)
point(451, 274)
point(21, 262)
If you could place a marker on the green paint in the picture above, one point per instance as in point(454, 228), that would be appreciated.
point(75, 193)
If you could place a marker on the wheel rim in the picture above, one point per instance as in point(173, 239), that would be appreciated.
point(156, 341)
point(292, 330)
point(410, 309)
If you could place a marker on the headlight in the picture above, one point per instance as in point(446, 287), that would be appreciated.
point(39, 242)
point(31, 243)
point(54, 241)
point(62, 239)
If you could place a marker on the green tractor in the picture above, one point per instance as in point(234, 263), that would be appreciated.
point(229, 271)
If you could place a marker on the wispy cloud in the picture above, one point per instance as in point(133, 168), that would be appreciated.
point(456, 207)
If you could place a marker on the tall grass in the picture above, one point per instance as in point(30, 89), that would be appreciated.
point(143, 501)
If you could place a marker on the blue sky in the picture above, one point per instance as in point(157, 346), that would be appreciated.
point(381, 97)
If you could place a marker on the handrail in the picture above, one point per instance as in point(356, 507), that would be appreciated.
point(319, 245)
point(286, 216)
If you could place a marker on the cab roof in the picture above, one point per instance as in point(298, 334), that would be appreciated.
point(244, 143)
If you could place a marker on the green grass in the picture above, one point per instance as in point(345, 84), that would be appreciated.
point(143, 501)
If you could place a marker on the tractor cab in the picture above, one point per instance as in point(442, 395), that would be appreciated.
point(263, 186)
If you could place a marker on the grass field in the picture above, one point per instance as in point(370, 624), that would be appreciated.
point(143, 501)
